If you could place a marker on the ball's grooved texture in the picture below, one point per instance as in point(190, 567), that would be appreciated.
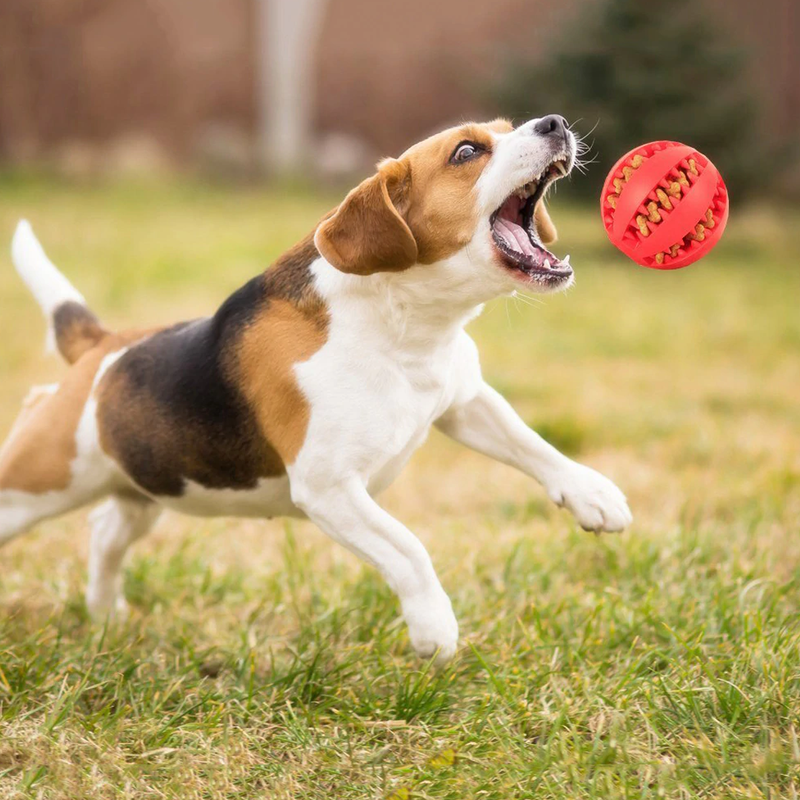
point(664, 205)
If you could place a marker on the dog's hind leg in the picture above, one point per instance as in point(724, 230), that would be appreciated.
point(16, 516)
point(116, 525)
point(20, 511)
point(51, 462)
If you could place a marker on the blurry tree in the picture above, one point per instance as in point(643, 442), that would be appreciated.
point(288, 35)
point(642, 72)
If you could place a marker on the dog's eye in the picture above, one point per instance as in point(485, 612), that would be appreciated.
point(464, 152)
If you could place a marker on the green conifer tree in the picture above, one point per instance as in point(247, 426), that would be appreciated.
point(646, 71)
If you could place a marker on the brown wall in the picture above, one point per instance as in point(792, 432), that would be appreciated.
point(769, 31)
point(392, 77)
point(93, 70)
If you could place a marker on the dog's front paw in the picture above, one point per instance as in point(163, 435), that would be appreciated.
point(432, 626)
point(595, 501)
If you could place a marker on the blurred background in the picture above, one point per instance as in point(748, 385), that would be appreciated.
point(236, 87)
point(166, 151)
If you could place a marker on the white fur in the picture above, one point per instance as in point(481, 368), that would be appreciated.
point(116, 524)
point(396, 361)
point(270, 498)
point(518, 156)
point(48, 286)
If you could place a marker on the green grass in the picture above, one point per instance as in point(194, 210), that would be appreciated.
point(263, 661)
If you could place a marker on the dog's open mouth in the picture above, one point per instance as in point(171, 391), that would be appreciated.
point(514, 230)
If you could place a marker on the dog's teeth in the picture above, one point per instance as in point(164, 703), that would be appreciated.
point(526, 191)
point(562, 168)
point(547, 263)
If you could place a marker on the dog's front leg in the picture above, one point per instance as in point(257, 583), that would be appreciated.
point(488, 424)
point(347, 513)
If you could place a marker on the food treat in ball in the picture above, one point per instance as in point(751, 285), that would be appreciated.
point(664, 205)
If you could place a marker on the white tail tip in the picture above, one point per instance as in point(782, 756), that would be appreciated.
point(23, 242)
point(46, 283)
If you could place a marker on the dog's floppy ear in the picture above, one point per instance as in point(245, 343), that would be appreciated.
point(544, 225)
point(367, 233)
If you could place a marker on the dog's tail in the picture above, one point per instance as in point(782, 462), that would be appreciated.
point(71, 326)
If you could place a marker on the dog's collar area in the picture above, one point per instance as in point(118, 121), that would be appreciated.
point(514, 231)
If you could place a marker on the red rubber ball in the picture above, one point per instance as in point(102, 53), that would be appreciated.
point(664, 205)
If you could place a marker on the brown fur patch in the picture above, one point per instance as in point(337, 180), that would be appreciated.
point(291, 327)
point(441, 209)
point(281, 337)
point(38, 454)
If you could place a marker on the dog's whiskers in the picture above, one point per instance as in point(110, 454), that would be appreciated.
point(582, 149)
point(528, 299)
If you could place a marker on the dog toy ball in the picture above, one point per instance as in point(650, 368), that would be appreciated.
point(664, 205)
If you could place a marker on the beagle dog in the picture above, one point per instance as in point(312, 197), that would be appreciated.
point(306, 393)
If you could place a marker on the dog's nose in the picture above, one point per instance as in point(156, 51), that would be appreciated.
point(552, 125)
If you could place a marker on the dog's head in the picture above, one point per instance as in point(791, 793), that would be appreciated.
point(468, 201)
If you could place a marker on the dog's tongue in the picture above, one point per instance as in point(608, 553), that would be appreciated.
point(514, 236)
point(508, 226)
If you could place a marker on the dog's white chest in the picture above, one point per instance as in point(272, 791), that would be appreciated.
point(413, 408)
point(371, 409)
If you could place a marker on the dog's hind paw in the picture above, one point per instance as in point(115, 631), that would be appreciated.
point(432, 626)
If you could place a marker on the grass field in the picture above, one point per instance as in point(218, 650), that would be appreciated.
point(261, 661)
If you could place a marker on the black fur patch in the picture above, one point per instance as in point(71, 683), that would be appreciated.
point(170, 409)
